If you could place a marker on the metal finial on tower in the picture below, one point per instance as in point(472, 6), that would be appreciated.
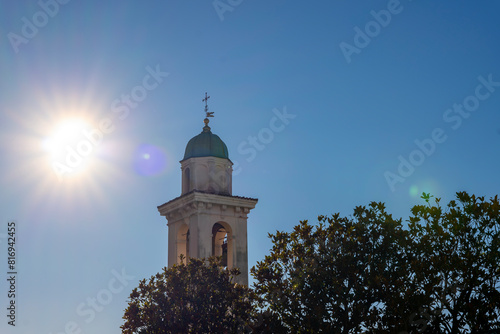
point(208, 114)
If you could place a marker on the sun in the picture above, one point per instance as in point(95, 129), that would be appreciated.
point(64, 134)
point(70, 146)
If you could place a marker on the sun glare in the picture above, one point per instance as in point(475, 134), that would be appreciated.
point(64, 134)
point(71, 155)
point(70, 147)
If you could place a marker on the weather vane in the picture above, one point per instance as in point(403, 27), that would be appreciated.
point(208, 114)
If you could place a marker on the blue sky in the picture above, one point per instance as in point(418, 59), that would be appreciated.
point(85, 240)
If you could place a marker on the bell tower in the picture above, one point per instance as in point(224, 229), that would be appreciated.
point(206, 219)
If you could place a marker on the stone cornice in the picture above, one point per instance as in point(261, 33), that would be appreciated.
point(201, 202)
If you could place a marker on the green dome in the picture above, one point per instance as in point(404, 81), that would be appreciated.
point(206, 144)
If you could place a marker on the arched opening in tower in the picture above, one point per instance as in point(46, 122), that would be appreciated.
point(220, 243)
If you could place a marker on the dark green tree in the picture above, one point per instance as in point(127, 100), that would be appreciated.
point(456, 263)
point(370, 273)
point(198, 297)
point(336, 277)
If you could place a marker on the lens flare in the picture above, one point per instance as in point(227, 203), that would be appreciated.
point(149, 160)
point(413, 191)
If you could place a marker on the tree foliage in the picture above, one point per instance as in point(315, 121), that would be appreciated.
point(439, 273)
point(198, 297)
point(336, 277)
point(456, 263)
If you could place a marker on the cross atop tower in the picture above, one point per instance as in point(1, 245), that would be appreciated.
point(206, 101)
point(208, 114)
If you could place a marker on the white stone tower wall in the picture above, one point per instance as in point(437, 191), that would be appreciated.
point(209, 174)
